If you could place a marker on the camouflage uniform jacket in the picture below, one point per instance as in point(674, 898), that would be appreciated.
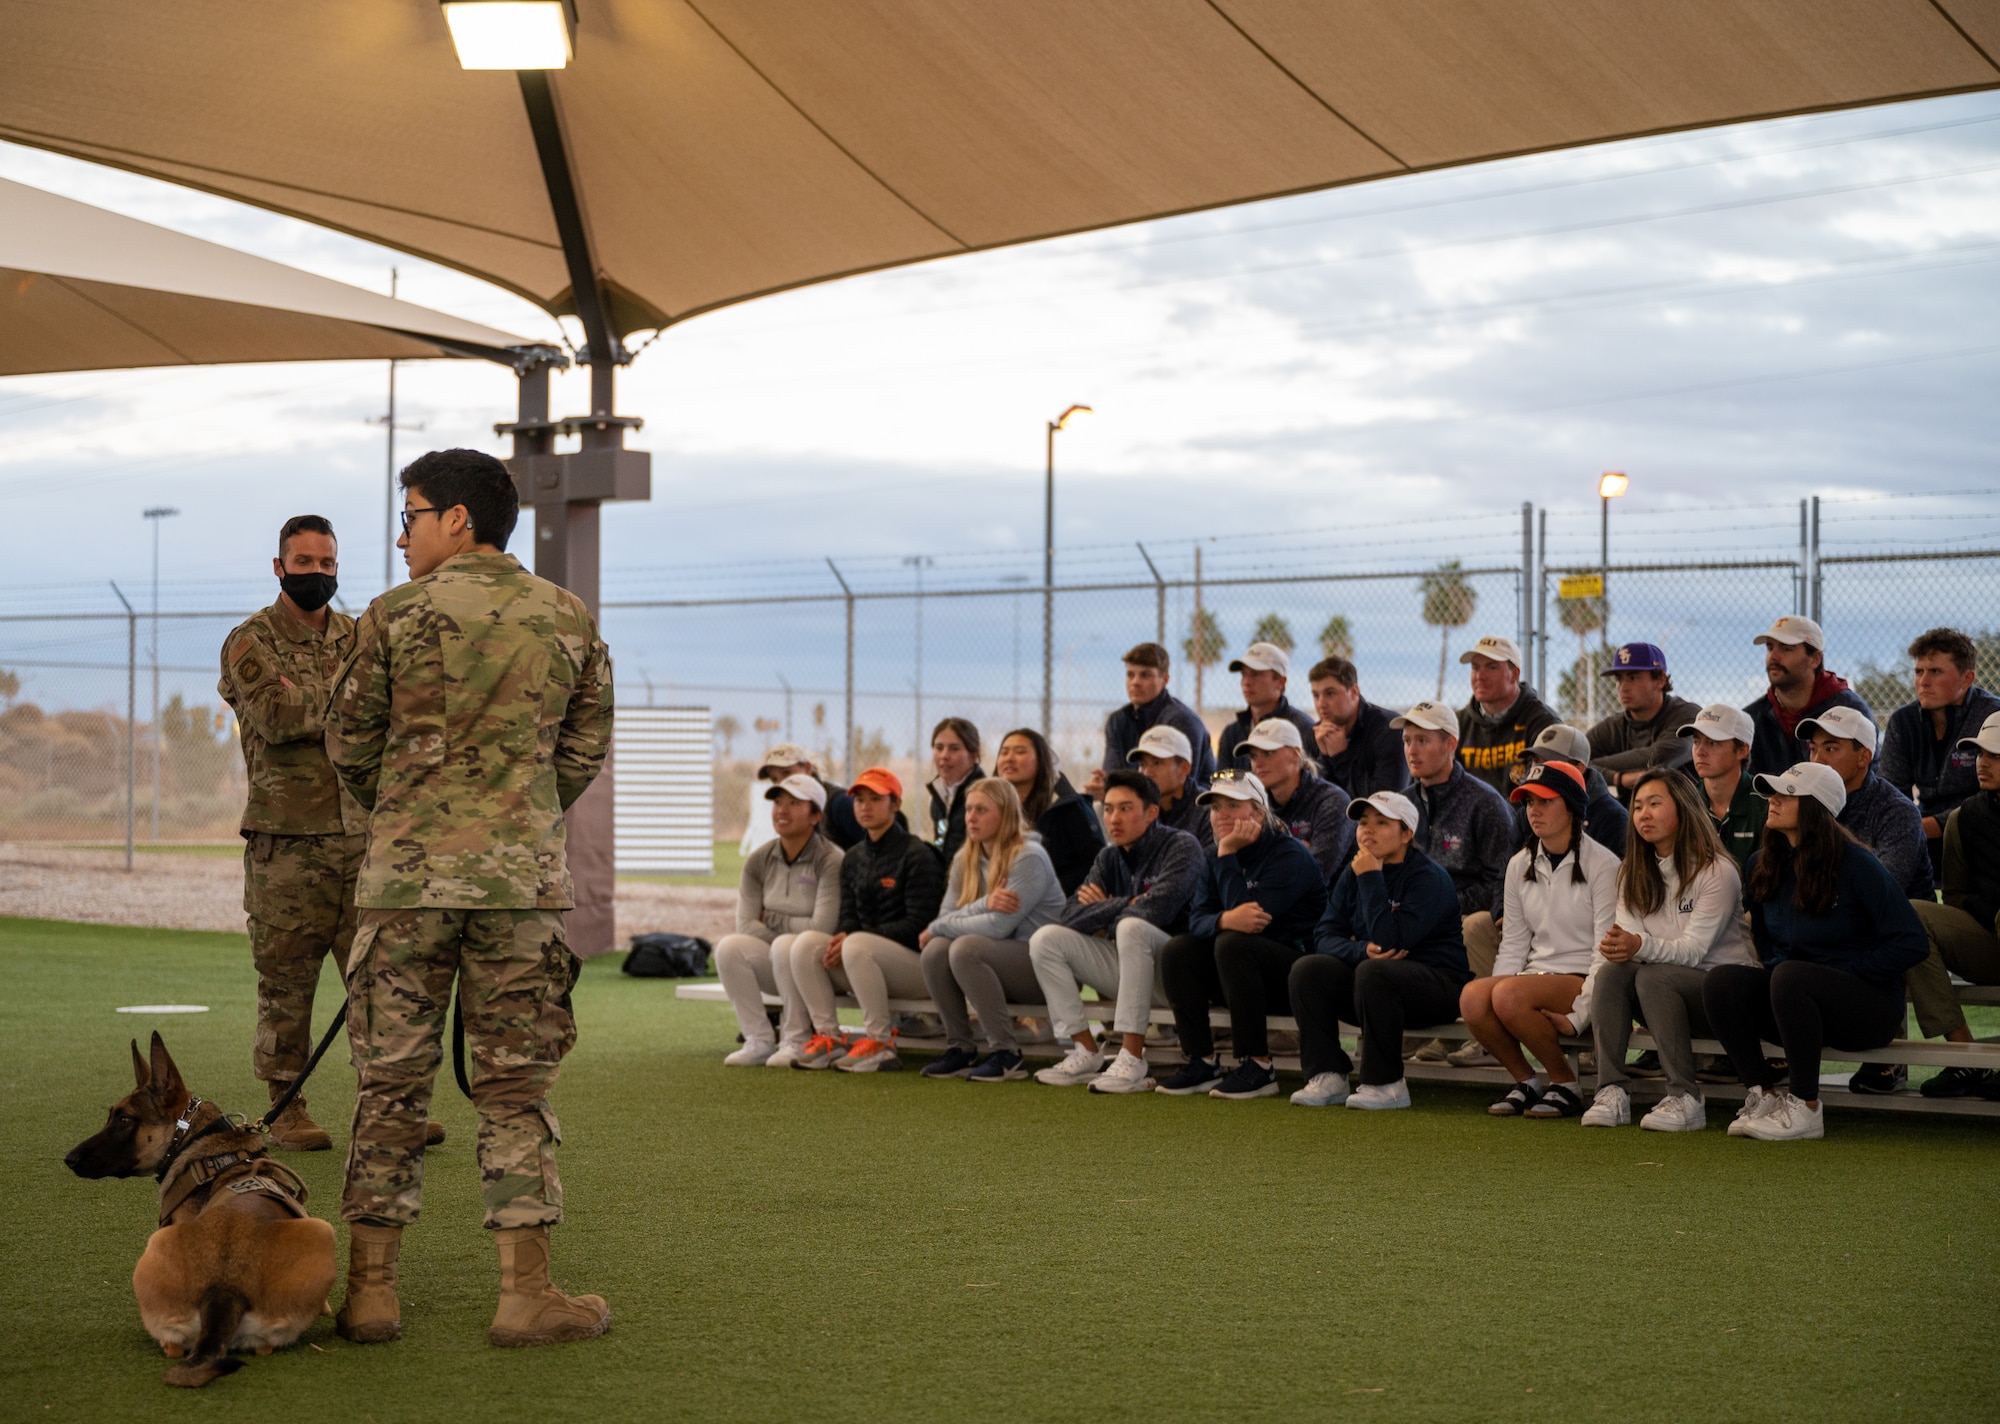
point(475, 708)
point(277, 673)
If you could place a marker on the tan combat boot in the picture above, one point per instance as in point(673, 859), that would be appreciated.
point(371, 1315)
point(533, 1312)
point(293, 1129)
point(433, 1133)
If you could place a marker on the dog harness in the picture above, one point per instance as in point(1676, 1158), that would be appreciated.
point(239, 1170)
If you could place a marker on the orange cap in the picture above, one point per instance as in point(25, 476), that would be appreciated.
point(880, 780)
point(1540, 775)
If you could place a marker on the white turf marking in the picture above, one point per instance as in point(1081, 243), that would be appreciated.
point(164, 1009)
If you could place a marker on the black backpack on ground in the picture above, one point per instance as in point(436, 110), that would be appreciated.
point(667, 956)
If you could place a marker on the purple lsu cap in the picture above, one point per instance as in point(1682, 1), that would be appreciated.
point(1636, 657)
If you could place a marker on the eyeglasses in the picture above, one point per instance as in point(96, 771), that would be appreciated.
point(408, 514)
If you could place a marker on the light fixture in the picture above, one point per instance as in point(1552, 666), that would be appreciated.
point(1612, 485)
point(1062, 421)
point(510, 34)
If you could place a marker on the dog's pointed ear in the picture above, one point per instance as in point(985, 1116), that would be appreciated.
point(166, 1077)
point(140, 1072)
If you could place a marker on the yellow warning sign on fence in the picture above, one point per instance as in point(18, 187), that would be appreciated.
point(1581, 586)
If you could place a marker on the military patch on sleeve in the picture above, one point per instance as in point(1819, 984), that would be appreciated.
point(250, 669)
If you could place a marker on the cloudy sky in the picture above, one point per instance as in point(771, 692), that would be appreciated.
point(1369, 378)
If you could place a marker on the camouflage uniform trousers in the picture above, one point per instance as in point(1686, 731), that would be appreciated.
point(298, 892)
point(514, 972)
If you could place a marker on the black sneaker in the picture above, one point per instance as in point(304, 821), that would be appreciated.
point(1958, 1081)
point(1714, 1068)
point(999, 1067)
point(1519, 1099)
point(1646, 1065)
point(1197, 1075)
point(1560, 1100)
point(1250, 1080)
point(1879, 1079)
point(952, 1063)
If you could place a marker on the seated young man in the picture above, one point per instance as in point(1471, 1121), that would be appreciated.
point(1150, 706)
point(1312, 808)
point(1645, 731)
point(1253, 914)
point(1962, 931)
point(1359, 751)
point(1263, 670)
point(1112, 930)
point(1387, 954)
point(1923, 747)
point(1721, 736)
point(1164, 758)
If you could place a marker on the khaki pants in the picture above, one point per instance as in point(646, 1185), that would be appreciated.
point(1959, 945)
point(1482, 942)
point(873, 969)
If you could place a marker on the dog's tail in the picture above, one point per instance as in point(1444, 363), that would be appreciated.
point(221, 1312)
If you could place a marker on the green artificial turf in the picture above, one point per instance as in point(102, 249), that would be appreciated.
point(727, 871)
point(781, 1245)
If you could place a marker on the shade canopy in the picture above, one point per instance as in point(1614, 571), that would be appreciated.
point(82, 289)
point(723, 149)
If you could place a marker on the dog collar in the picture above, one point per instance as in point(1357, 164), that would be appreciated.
point(178, 1143)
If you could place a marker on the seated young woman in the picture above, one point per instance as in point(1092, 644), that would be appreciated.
point(1559, 896)
point(890, 885)
point(1680, 915)
point(1050, 806)
point(789, 891)
point(1834, 935)
point(1387, 954)
point(1001, 890)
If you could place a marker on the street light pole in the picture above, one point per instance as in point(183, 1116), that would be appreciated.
point(1610, 486)
point(1049, 568)
point(154, 516)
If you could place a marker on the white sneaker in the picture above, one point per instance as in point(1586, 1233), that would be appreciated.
point(1756, 1103)
point(786, 1055)
point(1790, 1120)
point(1471, 1054)
point(1677, 1112)
point(1127, 1074)
point(1078, 1068)
point(1611, 1106)
point(754, 1054)
point(1326, 1090)
point(1380, 1097)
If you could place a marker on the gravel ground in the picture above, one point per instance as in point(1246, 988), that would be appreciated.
point(205, 892)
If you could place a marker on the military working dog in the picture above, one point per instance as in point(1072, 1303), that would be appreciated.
point(236, 1263)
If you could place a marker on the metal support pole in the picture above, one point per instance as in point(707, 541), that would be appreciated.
point(131, 717)
point(1799, 583)
point(1049, 585)
point(853, 737)
point(1159, 597)
point(1816, 572)
point(1195, 638)
point(1527, 577)
point(1542, 603)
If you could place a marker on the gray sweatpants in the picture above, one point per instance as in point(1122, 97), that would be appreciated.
point(1668, 998)
point(989, 974)
point(1128, 968)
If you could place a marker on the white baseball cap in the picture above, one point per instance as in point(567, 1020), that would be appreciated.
point(1272, 733)
point(1393, 804)
point(1162, 741)
point(1264, 657)
point(1720, 722)
point(1234, 785)
point(1808, 778)
point(1988, 739)
point(1431, 716)
point(784, 754)
point(806, 788)
point(1561, 740)
point(1793, 630)
point(1841, 722)
point(1501, 650)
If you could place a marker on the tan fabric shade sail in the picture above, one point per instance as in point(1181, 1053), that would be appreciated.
point(727, 148)
point(82, 289)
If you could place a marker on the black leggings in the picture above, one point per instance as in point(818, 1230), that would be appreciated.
point(1244, 971)
point(1383, 996)
point(1806, 1007)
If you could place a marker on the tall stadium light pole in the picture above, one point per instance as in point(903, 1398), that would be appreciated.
point(1610, 486)
point(1049, 569)
point(154, 515)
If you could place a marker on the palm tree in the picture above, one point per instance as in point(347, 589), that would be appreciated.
point(1583, 616)
point(1203, 647)
point(726, 727)
point(1336, 639)
point(1273, 629)
point(1448, 603)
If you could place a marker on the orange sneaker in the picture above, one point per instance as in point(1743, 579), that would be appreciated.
point(871, 1055)
point(820, 1052)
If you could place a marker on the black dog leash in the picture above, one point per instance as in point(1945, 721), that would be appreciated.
point(263, 1124)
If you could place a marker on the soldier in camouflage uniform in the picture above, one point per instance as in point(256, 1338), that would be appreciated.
point(476, 707)
point(302, 829)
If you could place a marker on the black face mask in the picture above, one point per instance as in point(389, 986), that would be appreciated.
point(311, 592)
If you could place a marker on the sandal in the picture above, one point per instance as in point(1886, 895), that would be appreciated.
point(1560, 1100)
point(1520, 1098)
